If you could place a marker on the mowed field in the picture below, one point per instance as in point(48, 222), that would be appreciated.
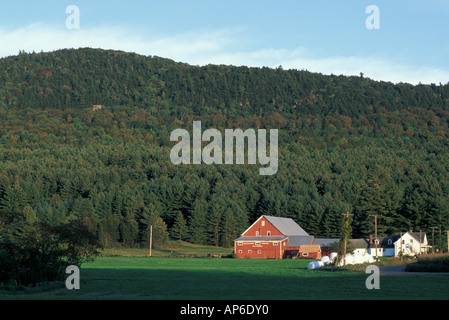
point(164, 278)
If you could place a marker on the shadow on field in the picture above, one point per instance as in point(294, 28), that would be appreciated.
point(299, 284)
point(230, 279)
point(215, 285)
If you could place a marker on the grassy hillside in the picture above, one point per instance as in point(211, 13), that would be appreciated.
point(173, 249)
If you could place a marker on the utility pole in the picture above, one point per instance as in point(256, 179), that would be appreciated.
point(151, 238)
point(447, 240)
point(375, 231)
point(346, 238)
point(420, 241)
point(433, 241)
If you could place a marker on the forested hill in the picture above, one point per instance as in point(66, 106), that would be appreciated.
point(346, 144)
point(76, 78)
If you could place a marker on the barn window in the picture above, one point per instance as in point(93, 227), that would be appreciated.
point(259, 252)
point(250, 251)
point(305, 254)
point(240, 243)
point(240, 251)
point(257, 243)
point(275, 243)
point(257, 233)
point(263, 223)
point(268, 233)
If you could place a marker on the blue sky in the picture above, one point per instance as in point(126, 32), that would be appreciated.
point(327, 36)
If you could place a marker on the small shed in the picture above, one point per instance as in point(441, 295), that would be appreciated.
point(326, 245)
point(311, 251)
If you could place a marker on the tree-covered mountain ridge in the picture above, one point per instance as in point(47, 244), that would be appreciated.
point(347, 143)
point(74, 78)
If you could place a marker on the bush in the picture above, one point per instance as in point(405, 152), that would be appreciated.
point(431, 263)
point(32, 252)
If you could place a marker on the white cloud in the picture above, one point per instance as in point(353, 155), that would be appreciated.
point(40, 37)
point(215, 47)
point(372, 67)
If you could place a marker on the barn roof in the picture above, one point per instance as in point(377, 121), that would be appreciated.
point(266, 238)
point(325, 242)
point(296, 241)
point(286, 226)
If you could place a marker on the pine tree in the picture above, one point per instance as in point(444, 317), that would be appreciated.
point(414, 207)
point(179, 230)
point(228, 229)
point(174, 203)
point(198, 223)
point(129, 231)
point(150, 217)
point(109, 233)
point(379, 197)
point(214, 218)
point(27, 231)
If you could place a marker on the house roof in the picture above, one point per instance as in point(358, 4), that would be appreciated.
point(420, 236)
point(359, 243)
point(385, 242)
point(286, 226)
point(388, 242)
point(296, 241)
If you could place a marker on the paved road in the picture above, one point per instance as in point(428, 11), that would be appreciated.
point(392, 270)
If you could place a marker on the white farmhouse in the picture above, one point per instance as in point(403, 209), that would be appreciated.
point(409, 243)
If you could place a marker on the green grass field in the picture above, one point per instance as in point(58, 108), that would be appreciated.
point(161, 278)
point(173, 249)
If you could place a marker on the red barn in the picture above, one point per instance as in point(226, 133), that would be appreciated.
point(275, 238)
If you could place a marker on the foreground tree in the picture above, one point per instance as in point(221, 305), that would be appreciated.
point(345, 234)
point(149, 217)
point(33, 252)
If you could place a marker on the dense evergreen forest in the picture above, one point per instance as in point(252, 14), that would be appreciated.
point(346, 144)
